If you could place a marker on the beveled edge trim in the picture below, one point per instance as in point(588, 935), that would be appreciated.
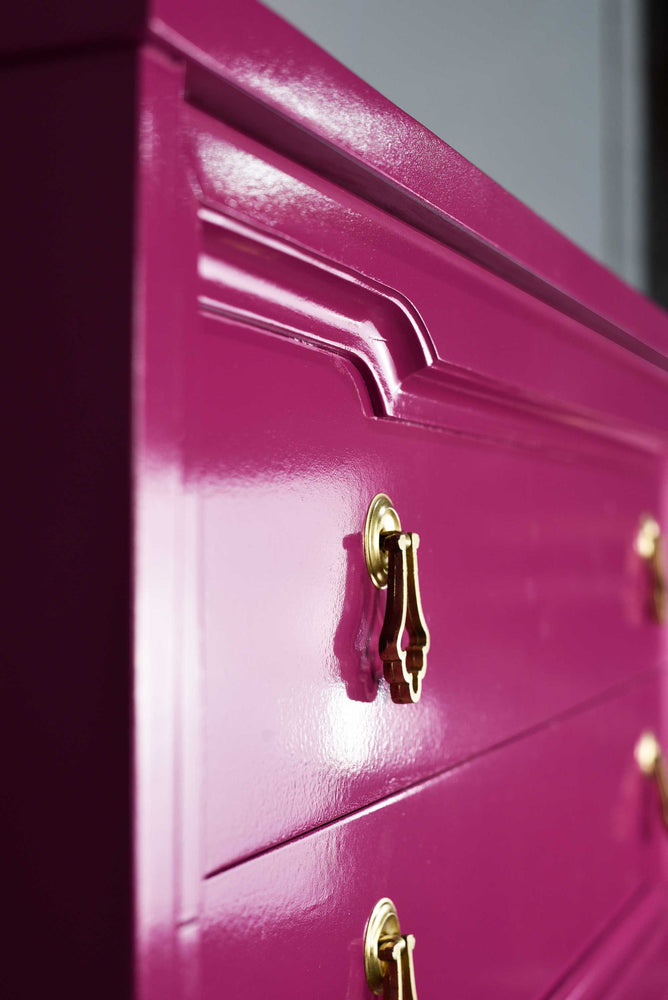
point(267, 282)
point(257, 278)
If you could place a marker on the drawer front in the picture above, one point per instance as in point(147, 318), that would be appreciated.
point(529, 581)
point(506, 869)
point(331, 353)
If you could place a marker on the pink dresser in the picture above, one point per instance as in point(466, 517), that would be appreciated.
point(247, 295)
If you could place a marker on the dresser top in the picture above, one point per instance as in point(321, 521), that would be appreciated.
point(247, 64)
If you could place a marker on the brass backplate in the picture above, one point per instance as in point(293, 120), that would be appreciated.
point(382, 923)
point(381, 518)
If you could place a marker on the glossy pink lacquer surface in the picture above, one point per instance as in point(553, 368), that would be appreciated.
point(332, 303)
point(315, 382)
point(532, 556)
point(505, 870)
point(244, 294)
point(253, 69)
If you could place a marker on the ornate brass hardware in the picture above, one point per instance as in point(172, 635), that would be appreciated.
point(649, 545)
point(388, 955)
point(391, 559)
point(651, 762)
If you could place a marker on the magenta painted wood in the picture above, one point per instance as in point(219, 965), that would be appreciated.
point(453, 330)
point(302, 349)
point(630, 960)
point(506, 870)
point(258, 71)
point(529, 550)
point(247, 293)
point(646, 975)
point(531, 556)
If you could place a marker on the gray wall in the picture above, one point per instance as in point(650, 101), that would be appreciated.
point(546, 96)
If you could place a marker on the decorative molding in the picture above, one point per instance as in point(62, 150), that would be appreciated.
point(429, 185)
point(258, 279)
point(255, 278)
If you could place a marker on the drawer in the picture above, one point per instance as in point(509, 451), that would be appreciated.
point(530, 586)
point(506, 869)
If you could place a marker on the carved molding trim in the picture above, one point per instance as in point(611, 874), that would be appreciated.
point(255, 278)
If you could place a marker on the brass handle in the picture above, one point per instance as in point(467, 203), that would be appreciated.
point(391, 558)
point(649, 545)
point(388, 954)
point(651, 762)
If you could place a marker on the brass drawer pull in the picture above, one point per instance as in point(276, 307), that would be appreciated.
point(651, 762)
point(649, 545)
point(388, 955)
point(391, 559)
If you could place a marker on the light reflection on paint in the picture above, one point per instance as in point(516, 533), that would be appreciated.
point(364, 332)
point(246, 179)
